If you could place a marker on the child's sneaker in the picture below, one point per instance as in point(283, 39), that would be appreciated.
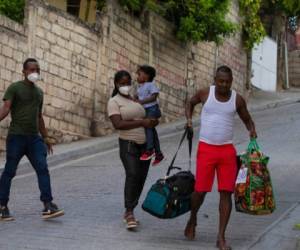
point(158, 158)
point(4, 214)
point(51, 211)
point(147, 155)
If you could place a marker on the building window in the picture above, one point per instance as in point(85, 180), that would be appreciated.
point(73, 7)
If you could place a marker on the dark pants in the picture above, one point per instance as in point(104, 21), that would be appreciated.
point(136, 171)
point(151, 133)
point(35, 150)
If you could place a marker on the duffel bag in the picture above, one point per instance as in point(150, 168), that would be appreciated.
point(171, 196)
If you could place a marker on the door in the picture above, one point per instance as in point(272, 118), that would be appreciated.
point(264, 65)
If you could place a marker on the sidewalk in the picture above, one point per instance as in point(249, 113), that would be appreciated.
point(258, 100)
point(261, 100)
point(281, 234)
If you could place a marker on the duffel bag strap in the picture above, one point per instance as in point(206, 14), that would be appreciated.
point(188, 132)
point(190, 141)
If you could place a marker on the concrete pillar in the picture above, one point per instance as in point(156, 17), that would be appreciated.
point(102, 88)
point(31, 12)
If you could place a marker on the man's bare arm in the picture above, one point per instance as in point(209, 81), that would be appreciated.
point(44, 134)
point(245, 116)
point(190, 105)
point(5, 109)
point(42, 127)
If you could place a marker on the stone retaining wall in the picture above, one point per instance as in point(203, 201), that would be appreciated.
point(78, 62)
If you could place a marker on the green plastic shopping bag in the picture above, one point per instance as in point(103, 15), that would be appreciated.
point(253, 190)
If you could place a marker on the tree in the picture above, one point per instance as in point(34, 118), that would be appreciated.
point(194, 20)
point(13, 9)
point(252, 29)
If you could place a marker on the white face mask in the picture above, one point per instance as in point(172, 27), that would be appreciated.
point(125, 90)
point(33, 77)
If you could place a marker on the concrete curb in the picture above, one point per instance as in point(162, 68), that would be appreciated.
point(96, 145)
point(273, 225)
point(274, 104)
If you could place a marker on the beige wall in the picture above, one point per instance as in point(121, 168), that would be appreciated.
point(67, 52)
point(91, 16)
point(78, 62)
point(61, 4)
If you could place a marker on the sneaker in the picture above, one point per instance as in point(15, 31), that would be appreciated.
point(5, 215)
point(51, 211)
point(147, 155)
point(158, 158)
point(130, 221)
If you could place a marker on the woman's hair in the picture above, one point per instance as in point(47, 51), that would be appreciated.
point(149, 71)
point(118, 76)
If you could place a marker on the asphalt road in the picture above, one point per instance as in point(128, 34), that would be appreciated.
point(91, 192)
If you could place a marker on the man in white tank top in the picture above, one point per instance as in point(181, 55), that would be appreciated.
point(216, 152)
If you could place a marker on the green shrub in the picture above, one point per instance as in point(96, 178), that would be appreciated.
point(194, 20)
point(14, 9)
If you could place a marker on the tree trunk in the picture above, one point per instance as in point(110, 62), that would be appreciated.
point(280, 31)
point(280, 62)
point(249, 70)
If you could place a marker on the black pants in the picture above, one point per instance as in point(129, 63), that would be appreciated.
point(151, 133)
point(136, 171)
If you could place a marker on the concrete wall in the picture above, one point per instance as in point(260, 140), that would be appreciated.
point(181, 68)
point(297, 36)
point(78, 62)
point(294, 61)
point(67, 50)
point(294, 68)
point(13, 50)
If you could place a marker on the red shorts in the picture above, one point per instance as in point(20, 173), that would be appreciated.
point(211, 158)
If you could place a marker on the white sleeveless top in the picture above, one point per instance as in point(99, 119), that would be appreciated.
point(217, 119)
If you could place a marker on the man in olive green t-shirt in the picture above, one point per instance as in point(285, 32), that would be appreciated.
point(28, 136)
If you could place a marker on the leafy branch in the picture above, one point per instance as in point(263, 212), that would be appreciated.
point(194, 20)
point(14, 9)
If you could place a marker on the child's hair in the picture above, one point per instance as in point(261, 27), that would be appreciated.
point(148, 70)
point(118, 76)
